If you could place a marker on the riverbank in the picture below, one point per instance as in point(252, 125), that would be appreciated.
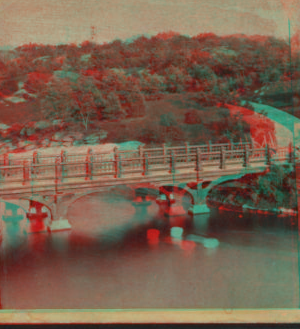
point(221, 206)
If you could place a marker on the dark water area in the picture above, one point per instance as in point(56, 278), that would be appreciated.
point(118, 256)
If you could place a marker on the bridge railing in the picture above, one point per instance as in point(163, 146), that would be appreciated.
point(144, 162)
point(258, 155)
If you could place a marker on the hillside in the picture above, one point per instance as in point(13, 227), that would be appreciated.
point(166, 88)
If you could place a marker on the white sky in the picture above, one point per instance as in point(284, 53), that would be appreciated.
point(62, 21)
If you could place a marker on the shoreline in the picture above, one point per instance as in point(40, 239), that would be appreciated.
point(281, 211)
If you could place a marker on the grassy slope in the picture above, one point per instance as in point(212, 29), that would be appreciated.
point(140, 128)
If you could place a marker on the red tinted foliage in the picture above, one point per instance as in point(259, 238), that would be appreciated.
point(36, 81)
point(8, 87)
point(166, 35)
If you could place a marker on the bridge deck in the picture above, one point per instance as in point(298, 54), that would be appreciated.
point(109, 180)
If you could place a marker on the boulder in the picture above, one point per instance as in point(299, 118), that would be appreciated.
point(57, 122)
point(30, 131)
point(92, 139)
point(42, 124)
point(68, 139)
point(77, 136)
point(30, 147)
point(102, 134)
point(22, 144)
point(45, 142)
point(127, 146)
point(55, 144)
point(78, 143)
point(27, 131)
point(4, 126)
point(57, 136)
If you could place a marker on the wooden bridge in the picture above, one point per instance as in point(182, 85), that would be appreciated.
point(53, 173)
point(49, 179)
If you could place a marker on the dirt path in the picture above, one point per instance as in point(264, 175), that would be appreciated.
point(284, 122)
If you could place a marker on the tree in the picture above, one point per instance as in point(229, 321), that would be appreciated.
point(113, 109)
point(87, 99)
point(168, 122)
point(204, 74)
point(137, 102)
point(176, 79)
point(69, 101)
point(56, 99)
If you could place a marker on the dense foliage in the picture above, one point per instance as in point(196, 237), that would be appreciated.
point(273, 189)
point(113, 80)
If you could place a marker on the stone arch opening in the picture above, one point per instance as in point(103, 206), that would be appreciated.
point(145, 192)
point(186, 194)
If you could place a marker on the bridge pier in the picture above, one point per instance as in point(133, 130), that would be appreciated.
point(58, 217)
point(12, 217)
point(199, 209)
point(141, 204)
point(199, 205)
point(38, 217)
point(168, 207)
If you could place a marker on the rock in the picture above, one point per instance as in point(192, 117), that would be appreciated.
point(78, 143)
point(42, 124)
point(68, 139)
point(57, 136)
point(7, 141)
point(57, 122)
point(92, 142)
point(30, 131)
point(29, 147)
point(77, 136)
point(92, 139)
point(27, 131)
point(55, 144)
point(4, 126)
point(45, 142)
point(102, 134)
point(22, 143)
point(132, 145)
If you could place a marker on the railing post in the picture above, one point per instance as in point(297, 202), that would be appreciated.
point(118, 166)
point(164, 152)
point(89, 165)
point(209, 148)
point(57, 166)
point(63, 160)
point(35, 161)
point(268, 155)
point(141, 151)
point(251, 143)
point(199, 167)
point(92, 163)
point(291, 153)
point(6, 161)
point(172, 163)
point(246, 156)
point(25, 172)
point(222, 158)
point(187, 151)
point(145, 164)
point(231, 144)
point(141, 154)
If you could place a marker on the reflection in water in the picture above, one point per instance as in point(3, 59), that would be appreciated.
point(124, 254)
